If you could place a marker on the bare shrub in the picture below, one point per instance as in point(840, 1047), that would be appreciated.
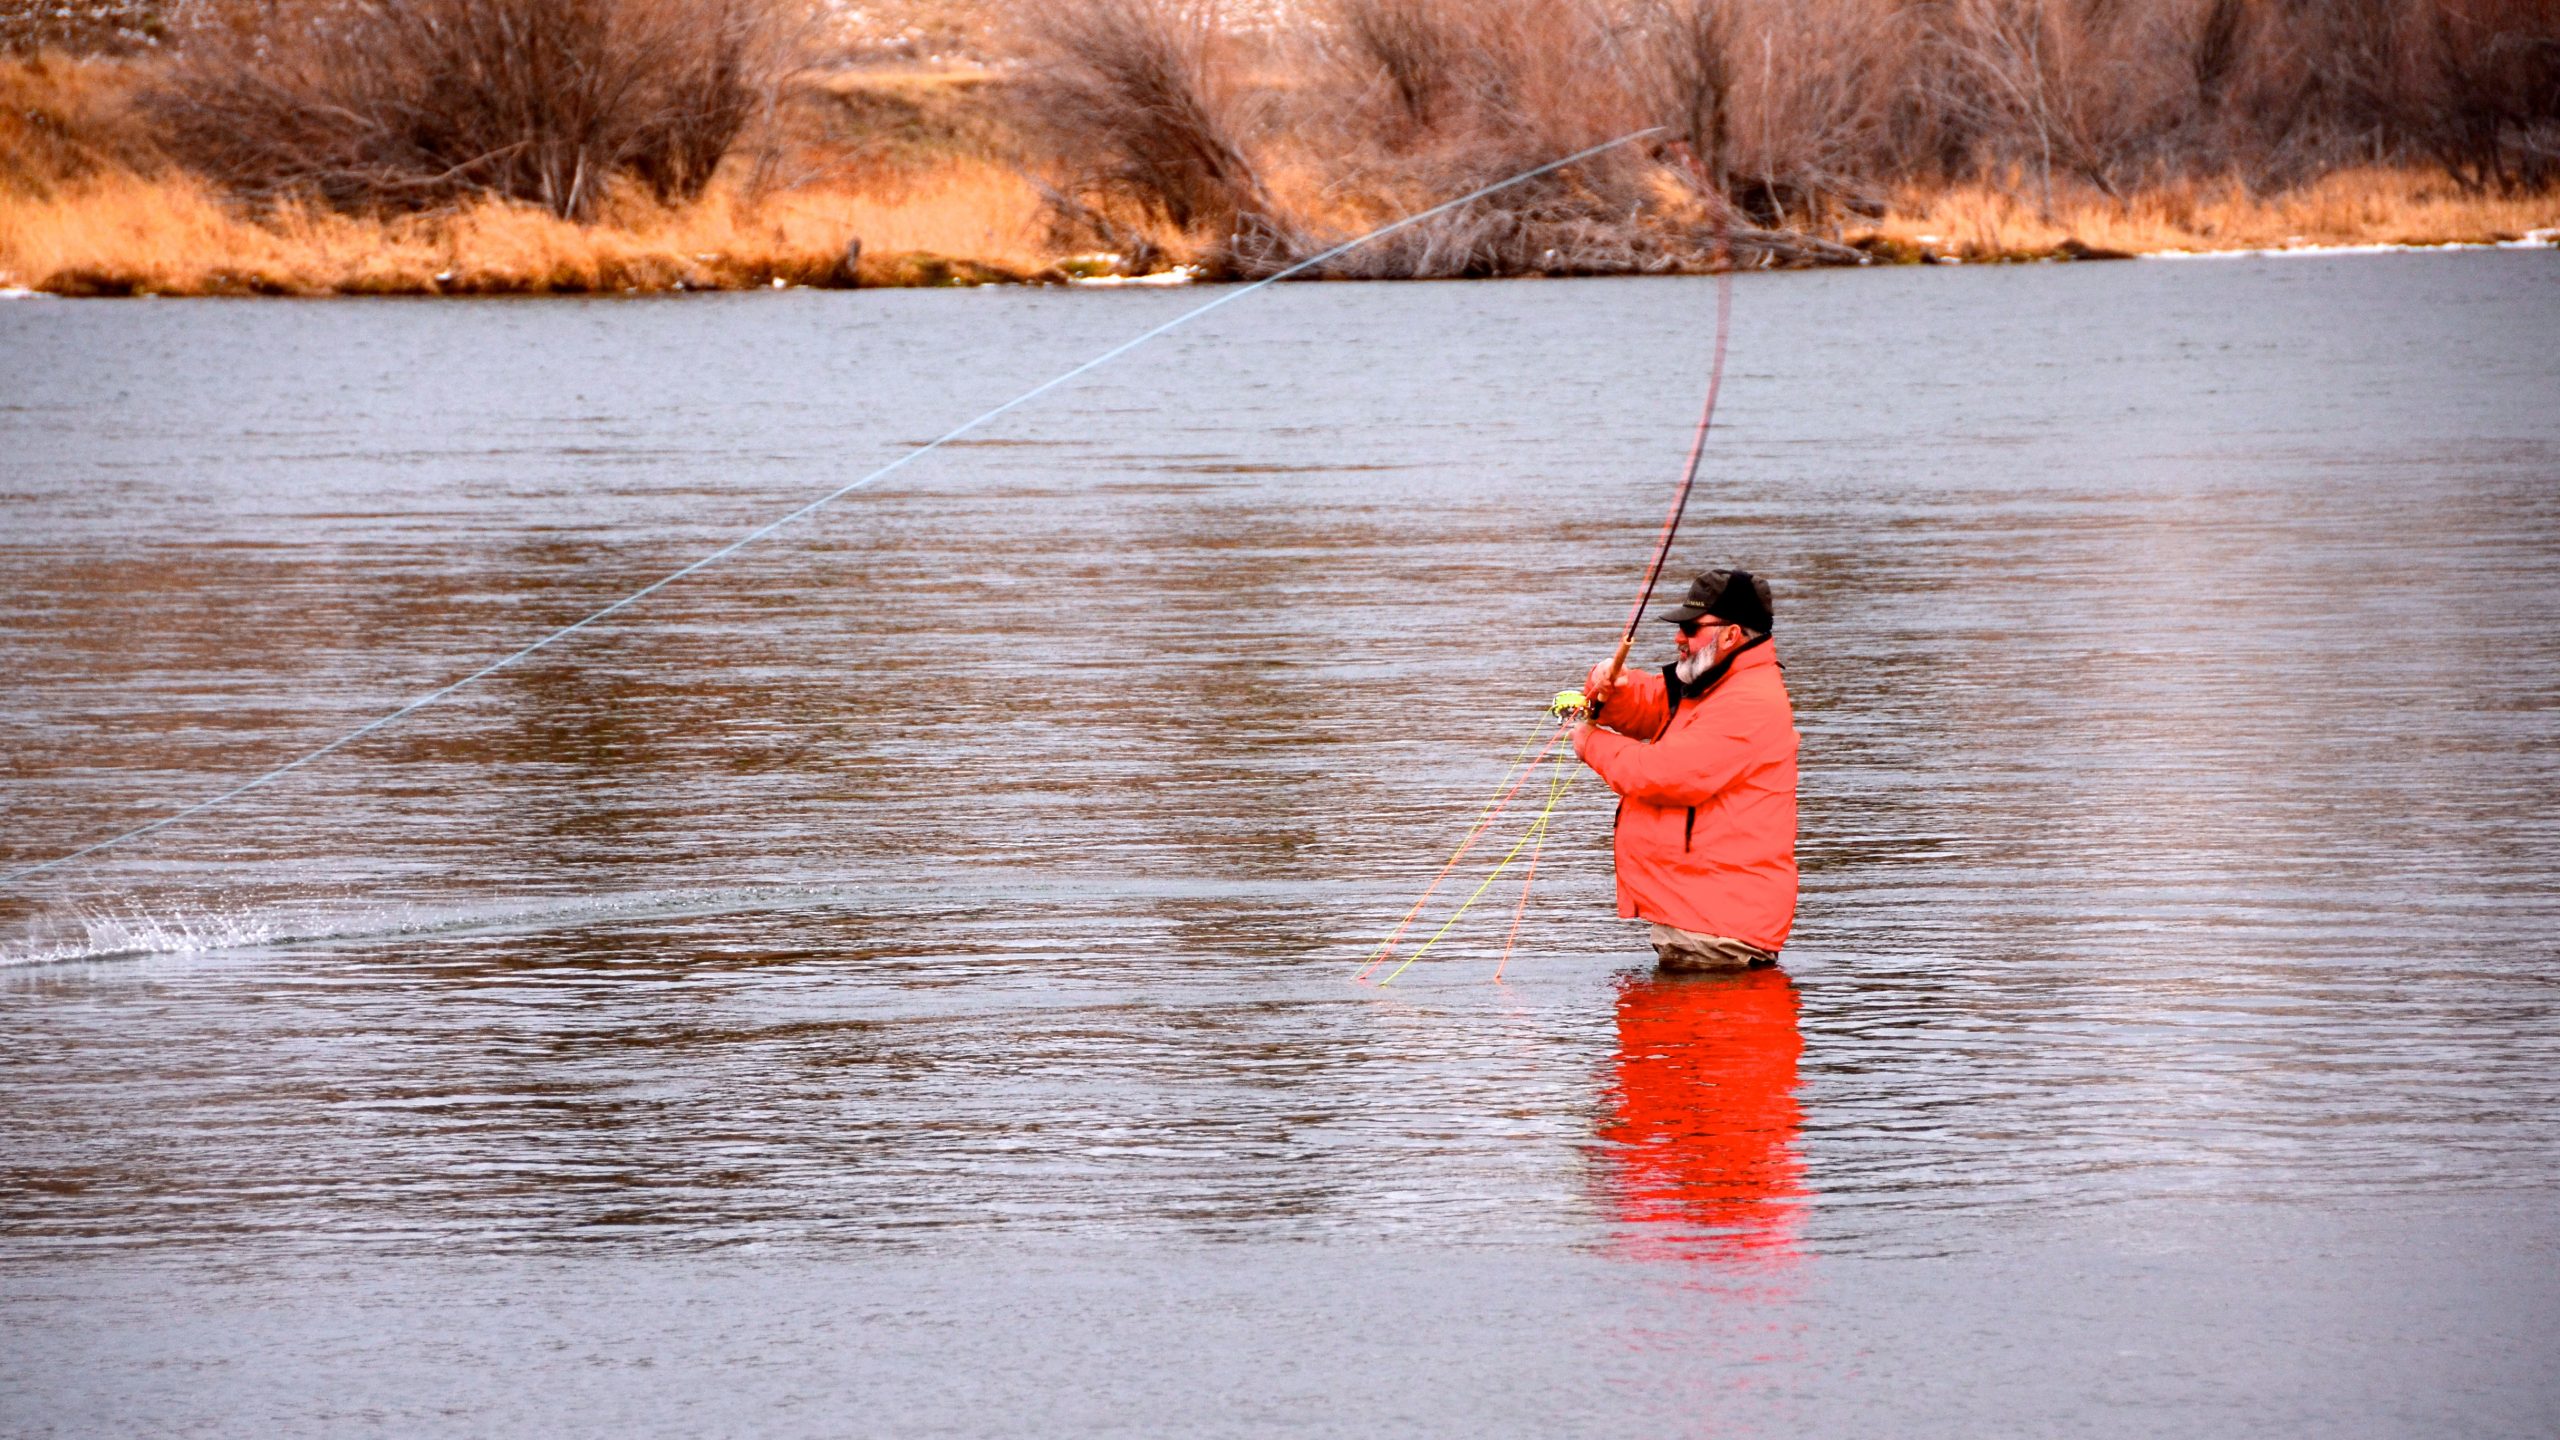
point(1414, 50)
point(2214, 52)
point(1138, 102)
point(1692, 49)
point(1813, 87)
point(1423, 99)
point(1546, 74)
point(1776, 109)
point(2089, 91)
point(404, 105)
point(2285, 91)
point(2495, 117)
point(2115, 95)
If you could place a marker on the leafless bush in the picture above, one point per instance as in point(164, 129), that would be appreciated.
point(1136, 101)
point(1692, 47)
point(394, 105)
point(2285, 90)
point(2214, 52)
point(2086, 89)
point(1775, 107)
point(1422, 99)
point(1537, 73)
point(1415, 50)
point(2496, 67)
point(1812, 107)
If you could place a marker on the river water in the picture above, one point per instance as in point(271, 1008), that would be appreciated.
point(900, 980)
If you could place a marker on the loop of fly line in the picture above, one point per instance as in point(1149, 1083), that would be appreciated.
point(1510, 784)
point(1537, 829)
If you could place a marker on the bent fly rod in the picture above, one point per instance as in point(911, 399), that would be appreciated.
point(1688, 472)
point(838, 493)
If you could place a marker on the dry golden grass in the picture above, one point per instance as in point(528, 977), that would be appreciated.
point(963, 207)
point(2350, 207)
point(119, 233)
point(63, 119)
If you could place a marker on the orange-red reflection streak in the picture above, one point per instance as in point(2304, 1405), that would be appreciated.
point(1699, 1146)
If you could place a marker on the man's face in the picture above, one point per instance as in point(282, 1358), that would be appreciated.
point(1706, 637)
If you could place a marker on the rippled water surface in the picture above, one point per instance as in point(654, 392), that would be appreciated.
point(900, 979)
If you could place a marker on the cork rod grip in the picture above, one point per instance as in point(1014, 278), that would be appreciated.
point(1609, 681)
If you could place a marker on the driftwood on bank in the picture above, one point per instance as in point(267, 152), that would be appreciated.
point(1788, 247)
point(1498, 243)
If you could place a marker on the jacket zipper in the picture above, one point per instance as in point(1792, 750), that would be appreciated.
point(1690, 829)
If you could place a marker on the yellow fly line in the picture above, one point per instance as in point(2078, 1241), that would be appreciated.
point(1522, 764)
point(1558, 782)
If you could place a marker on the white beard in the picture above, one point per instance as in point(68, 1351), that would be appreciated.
point(1693, 666)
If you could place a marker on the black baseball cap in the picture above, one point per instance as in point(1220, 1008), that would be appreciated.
point(1735, 597)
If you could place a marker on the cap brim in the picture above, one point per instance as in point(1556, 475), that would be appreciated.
point(1682, 616)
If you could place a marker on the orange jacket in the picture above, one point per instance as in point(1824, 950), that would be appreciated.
point(1707, 798)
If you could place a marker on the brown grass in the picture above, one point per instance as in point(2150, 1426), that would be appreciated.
point(122, 234)
point(2368, 206)
point(64, 119)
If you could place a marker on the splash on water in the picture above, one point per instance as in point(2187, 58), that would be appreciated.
point(116, 932)
point(124, 930)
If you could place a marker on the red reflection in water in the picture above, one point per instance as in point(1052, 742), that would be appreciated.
point(1699, 1145)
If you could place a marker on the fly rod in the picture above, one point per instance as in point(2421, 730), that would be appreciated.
point(1688, 479)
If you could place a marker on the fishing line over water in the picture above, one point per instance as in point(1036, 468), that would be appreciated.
point(813, 506)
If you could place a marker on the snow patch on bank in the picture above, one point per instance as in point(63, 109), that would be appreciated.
point(2532, 240)
point(1178, 275)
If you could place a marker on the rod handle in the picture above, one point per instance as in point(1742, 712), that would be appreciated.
point(1609, 681)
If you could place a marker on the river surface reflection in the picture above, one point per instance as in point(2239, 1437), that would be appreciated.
point(906, 970)
point(1700, 1139)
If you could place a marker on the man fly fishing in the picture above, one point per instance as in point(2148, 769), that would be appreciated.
point(1703, 757)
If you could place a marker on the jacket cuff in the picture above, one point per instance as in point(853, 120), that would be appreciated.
point(1599, 748)
point(1620, 701)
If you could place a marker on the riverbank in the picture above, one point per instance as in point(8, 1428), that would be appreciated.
point(914, 177)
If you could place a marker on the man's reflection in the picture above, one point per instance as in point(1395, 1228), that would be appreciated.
point(1699, 1142)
